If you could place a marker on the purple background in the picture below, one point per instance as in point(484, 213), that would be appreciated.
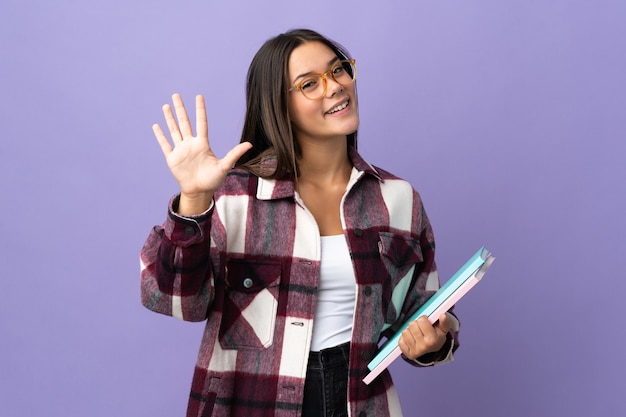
point(508, 116)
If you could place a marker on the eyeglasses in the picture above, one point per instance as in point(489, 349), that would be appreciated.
point(313, 86)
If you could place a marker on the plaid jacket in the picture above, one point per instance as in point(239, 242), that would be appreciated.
point(250, 267)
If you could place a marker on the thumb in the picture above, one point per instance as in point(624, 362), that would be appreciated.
point(443, 324)
point(235, 153)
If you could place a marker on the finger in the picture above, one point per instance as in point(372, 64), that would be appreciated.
point(427, 330)
point(181, 114)
point(229, 160)
point(166, 148)
point(404, 346)
point(423, 323)
point(410, 342)
point(172, 126)
point(413, 333)
point(444, 323)
point(202, 129)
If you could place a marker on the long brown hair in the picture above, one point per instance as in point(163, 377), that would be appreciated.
point(267, 123)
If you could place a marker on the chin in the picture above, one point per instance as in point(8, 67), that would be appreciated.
point(352, 127)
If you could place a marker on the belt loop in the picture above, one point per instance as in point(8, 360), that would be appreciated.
point(345, 350)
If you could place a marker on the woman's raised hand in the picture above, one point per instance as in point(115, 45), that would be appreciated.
point(192, 162)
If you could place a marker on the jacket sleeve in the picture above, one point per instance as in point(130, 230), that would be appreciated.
point(176, 277)
point(424, 284)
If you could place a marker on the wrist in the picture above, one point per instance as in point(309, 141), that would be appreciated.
point(193, 204)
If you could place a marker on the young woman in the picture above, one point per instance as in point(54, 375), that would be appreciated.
point(301, 257)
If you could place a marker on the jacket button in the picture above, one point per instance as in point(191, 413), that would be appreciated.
point(358, 232)
point(190, 231)
point(362, 414)
point(247, 283)
point(368, 290)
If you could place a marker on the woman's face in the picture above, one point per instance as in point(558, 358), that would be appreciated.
point(335, 115)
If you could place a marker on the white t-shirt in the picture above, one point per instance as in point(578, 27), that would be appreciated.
point(334, 311)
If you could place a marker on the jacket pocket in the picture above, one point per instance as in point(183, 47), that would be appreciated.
point(250, 303)
point(399, 255)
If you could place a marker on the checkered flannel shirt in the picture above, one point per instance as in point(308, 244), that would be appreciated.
point(250, 267)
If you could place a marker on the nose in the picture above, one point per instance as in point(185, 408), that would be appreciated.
point(332, 87)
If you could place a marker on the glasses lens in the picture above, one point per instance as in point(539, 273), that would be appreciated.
point(344, 73)
point(312, 87)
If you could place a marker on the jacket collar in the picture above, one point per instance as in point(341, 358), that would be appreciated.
point(269, 189)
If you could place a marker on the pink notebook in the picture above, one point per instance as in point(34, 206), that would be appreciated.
point(385, 359)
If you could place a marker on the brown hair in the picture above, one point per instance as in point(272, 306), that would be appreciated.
point(267, 123)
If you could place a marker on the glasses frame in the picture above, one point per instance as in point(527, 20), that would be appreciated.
point(324, 77)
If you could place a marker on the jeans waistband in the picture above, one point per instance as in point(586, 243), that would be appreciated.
point(330, 355)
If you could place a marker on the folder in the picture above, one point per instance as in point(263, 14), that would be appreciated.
point(447, 296)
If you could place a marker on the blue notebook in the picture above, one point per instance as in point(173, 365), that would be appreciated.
point(445, 292)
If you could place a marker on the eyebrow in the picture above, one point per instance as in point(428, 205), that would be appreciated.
point(332, 61)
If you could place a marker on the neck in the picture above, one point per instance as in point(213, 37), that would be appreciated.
point(325, 162)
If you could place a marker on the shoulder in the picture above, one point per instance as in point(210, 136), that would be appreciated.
point(391, 183)
point(386, 179)
point(386, 175)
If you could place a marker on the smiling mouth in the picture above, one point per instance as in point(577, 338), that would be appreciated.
point(338, 108)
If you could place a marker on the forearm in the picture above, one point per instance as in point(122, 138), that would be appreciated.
point(426, 283)
point(176, 271)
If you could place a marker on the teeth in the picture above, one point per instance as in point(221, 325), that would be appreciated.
point(339, 107)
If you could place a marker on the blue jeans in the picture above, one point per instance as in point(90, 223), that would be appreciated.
point(326, 384)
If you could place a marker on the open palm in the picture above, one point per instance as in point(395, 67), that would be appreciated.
point(192, 162)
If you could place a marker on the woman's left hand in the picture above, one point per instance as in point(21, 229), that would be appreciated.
point(421, 337)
